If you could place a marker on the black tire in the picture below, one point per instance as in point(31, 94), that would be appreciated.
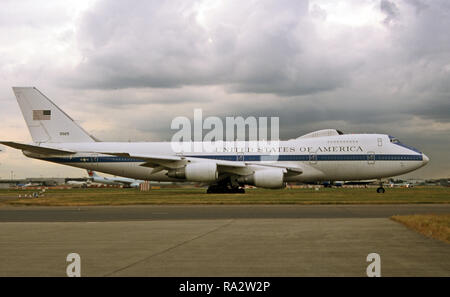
point(217, 189)
point(380, 190)
point(212, 189)
point(238, 190)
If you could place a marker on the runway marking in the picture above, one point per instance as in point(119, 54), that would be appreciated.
point(171, 248)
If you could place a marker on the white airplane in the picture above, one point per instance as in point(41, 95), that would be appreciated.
point(129, 182)
point(325, 155)
point(403, 184)
point(78, 184)
point(30, 185)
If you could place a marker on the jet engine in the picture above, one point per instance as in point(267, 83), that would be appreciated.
point(198, 172)
point(267, 178)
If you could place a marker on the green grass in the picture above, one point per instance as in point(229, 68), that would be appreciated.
point(117, 196)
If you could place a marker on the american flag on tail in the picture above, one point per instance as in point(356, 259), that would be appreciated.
point(42, 115)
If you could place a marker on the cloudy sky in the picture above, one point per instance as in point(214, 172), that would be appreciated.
point(125, 69)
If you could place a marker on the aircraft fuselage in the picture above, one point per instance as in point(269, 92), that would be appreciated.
point(341, 157)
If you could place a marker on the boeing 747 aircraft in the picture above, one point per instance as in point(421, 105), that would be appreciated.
point(325, 155)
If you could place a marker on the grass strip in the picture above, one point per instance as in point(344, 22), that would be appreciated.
point(118, 196)
point(436, 226)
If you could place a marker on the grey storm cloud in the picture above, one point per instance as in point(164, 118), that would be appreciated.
point(255, 47)
point(390, 9)
point(272, 47)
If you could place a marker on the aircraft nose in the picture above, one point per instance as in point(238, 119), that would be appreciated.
point(425, 159)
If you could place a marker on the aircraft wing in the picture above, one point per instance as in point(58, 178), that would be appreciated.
point(242, 168)
point(36, 148)
point(169, 162)
point(161, 162)
point(291, 170)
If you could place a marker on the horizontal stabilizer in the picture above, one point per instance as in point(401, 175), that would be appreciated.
point(36, 149)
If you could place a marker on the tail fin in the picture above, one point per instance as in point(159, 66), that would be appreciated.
point(46, 121)
point(92, 173)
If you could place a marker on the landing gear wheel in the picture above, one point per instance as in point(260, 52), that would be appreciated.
point(212, 189)
point(224, 189)
point(380, 190)
point(225, 186)
point(237, 190)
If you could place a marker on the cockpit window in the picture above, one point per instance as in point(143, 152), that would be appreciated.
point(396, 141)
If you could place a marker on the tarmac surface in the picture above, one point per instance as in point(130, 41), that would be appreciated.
point(192, 212)
point(218, 240)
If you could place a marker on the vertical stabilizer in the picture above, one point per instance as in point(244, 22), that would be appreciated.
point(92, 173)
point(46, 121)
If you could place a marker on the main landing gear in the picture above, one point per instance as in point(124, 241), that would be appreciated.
point(225, 187)
point(380, 189)
point(217, 189)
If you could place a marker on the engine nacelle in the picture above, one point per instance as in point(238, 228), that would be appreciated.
point(267, 178)
point(198, 172)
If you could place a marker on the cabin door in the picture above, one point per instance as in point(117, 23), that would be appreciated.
point(371, 158)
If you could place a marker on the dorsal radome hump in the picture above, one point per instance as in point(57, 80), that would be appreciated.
point(322, 133)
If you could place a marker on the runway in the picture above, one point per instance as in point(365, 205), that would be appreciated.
point(218, 240)
point(210, 212)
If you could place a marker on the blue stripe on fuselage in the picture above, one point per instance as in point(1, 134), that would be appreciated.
point(251, 158)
